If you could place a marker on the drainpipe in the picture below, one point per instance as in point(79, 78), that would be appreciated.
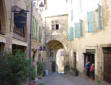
point(31, 30)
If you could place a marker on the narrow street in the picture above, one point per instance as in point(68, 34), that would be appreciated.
point(52, 37)
point(59, 79)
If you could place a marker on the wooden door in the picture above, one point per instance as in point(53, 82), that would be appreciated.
point(53, 66)
point(74, 59)
point(107, 64)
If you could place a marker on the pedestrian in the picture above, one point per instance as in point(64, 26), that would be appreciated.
point(87, 66)
point(92, 71)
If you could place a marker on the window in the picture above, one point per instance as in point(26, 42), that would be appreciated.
point(57, 26)
point(53, 27)
point(70, 34)
point(91, 22)
point(99, 17)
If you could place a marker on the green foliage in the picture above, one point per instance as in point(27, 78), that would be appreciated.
point(40, 69)
point(67, 68)
point(15, 69)
point(41, 84)
point(98, 81)
point(76, 72)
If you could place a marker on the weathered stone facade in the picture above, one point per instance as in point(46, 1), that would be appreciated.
point(56, 37)
point(96, 40)
point(8, 36)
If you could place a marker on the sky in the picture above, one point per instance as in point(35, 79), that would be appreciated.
point(55, 7)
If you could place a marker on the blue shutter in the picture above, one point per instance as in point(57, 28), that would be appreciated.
point(90, 22)
point(77, 30)
point(33, 30)
point(80, 3)
point(71, 1)
point(99, 17)
point(81, 30)
point(39, 35)
point(36, 30)
point(70, 34)
point(72, 15)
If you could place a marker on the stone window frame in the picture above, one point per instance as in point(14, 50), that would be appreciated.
point(54, 25)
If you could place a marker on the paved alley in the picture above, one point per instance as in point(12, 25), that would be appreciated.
point(57, 79)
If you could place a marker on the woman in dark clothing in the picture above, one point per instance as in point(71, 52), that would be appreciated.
point(87, 69)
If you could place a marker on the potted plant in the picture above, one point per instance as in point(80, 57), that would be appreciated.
point(76, 72)
point(67, 68)
point(40, 69)
point(15, 69)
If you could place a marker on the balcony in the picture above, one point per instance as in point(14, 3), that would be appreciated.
point(52, 36)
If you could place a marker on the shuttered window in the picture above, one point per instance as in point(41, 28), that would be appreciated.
point(71, 1)
point(40, 34)
point(36, 29)
point(70, 34)
point(33, 34)
point(77, 30)
point(72, 15)
point(90, 22)
point(81, 28)
point(99, 17)
point(80, 3)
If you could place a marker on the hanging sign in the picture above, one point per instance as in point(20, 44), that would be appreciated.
point(20, 19)
point(42, 48)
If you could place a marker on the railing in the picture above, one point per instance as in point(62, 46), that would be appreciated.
point(49, 36)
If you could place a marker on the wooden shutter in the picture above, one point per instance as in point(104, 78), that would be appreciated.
point(33, 30)
point(99, 17)
point(36, 29)
point(70, 34)
point(81, 28)
point(90, 22)
point(72, 15)
point(80, 3)
point(77, 30)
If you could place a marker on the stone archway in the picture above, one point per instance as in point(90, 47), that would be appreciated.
point(53, 51)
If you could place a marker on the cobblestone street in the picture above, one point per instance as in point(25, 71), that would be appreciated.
point(57, 79)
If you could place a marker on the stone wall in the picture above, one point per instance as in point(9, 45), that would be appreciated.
point(96, 40)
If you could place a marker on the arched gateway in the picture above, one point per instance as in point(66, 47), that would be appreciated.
point(55, 56)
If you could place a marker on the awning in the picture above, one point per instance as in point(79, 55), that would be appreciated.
point(2, 39)
point(18, 42)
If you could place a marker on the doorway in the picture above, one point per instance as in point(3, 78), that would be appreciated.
point(74, 59)
point(107, 64)
point(89, 57)
point(53, 66)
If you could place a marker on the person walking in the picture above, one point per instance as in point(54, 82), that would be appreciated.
point(92, 71)
point(87, 66)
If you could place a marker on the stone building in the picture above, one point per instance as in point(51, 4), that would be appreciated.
point(12, 35)
point(56, 39)
point(90, 39)
point(37, 34)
